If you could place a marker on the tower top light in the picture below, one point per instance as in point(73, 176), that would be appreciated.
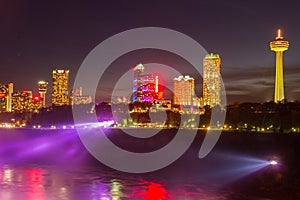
point(279, 35)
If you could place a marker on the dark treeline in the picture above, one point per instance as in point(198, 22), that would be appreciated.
point(280, 117)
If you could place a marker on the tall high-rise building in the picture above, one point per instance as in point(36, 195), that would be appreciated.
point(212, 80)
point(138, 73)
point(43, 90)
point(60, 79)
point(279, 46)
point(184, 90)
point(10, 88)
point(3, 93)
point(145, 86)
point(6, 97)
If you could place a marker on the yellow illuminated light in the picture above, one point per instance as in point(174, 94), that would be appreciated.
point(7, 175)
point(279, 35)
point(41, 82)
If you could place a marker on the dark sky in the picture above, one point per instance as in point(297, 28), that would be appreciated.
point(38, 36)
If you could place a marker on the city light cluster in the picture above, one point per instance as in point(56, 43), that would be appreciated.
point(145, 86)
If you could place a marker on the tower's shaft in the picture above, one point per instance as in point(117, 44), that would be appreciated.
point(279, 83)
point(43, 96)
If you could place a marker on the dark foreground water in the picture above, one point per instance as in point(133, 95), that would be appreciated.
point(36, 165)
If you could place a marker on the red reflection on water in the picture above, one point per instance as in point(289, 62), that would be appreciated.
point(150, 191)
point(155, 192)
point(35, 183)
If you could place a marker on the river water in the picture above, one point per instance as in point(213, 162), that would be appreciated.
point(37, 165)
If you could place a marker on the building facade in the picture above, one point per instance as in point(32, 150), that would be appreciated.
point(212, 80)
point(145, 86)
point(184, 90)
point(76, 97)
point(6, 92)
point(60, 79)
point(26, 102)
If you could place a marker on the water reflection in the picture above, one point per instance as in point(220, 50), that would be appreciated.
point(56, 165)
point(7, 175)
point(39, 183)
point(34, 183)
point(115, 190)
point(13, 182)
point(149, 190)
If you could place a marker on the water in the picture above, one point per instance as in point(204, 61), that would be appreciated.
point(38, 165)
point(89, 183)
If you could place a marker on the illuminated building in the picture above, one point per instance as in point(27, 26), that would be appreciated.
point(164, 104)
point(279, 46)
point(3, 97)
point(198, 102)
point(9, 97)
point(20, 101)
point(26, 102)
point(36, 103)
point(145, 86)
point(6, 97)
point(77, 100)
point(60, 79)
point(42, 91)
point(77, 91)
point(76, 97)
point(212, 80)
point(184, 90)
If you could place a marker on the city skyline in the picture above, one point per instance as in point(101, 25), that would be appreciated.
point(153, 100)
point(32, 48)
point(211, 63)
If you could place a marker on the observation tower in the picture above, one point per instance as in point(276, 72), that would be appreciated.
point(279, 46)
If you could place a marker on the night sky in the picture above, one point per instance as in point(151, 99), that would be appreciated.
point(38, 36)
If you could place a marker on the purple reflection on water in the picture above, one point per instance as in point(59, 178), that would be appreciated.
point(40, 146)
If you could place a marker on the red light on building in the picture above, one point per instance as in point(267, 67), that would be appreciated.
point(2, 95)
point(156, 84)
point(36, 98)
